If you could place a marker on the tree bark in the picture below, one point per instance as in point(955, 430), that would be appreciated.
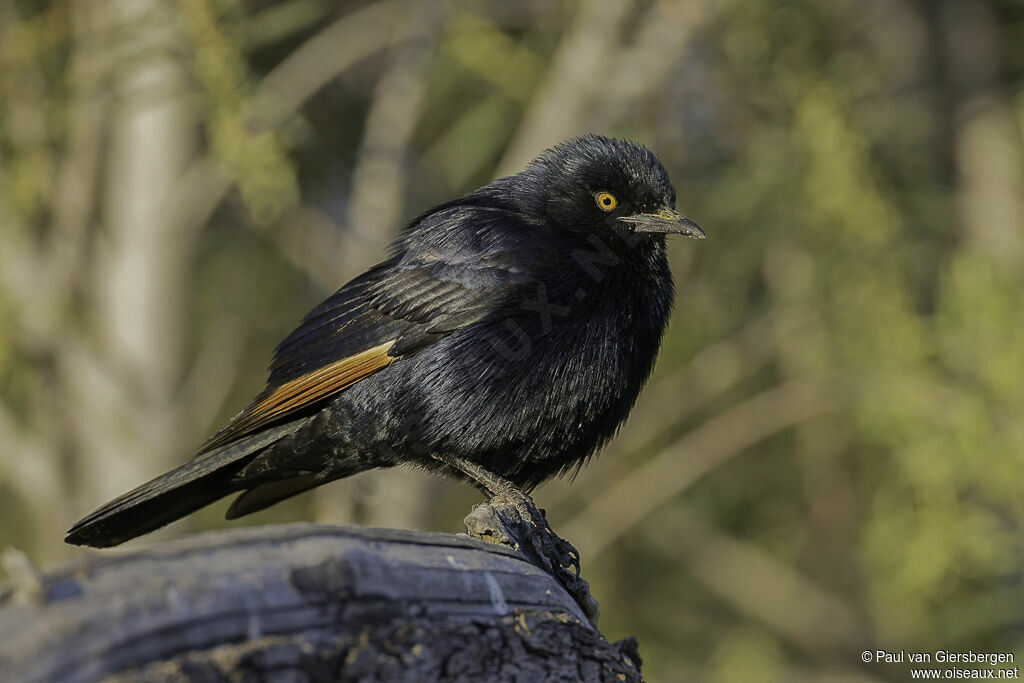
point(302, 602)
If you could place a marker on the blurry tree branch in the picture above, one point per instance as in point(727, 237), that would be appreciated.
point(30, 467)
point(712, 371)
point(314, 244)
point(102, 247)
point(671, 399)
point(573, 80)
point(594, 79)
point(511, 68)
point(757, 584)
point(644, 67)
point(616, 510)
point(283, 91)
point(380, 176)
point(375, 212)
point(78, 175)
point(137, 281)
point(280, 20)
point(331, 51)
point(988, 149)
point(208, 381)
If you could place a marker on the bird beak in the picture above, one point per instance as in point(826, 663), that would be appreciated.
point(665, 221)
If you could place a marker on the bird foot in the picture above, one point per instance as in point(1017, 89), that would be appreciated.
point(512, 518)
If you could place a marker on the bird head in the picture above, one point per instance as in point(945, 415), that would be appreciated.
point(594, 182)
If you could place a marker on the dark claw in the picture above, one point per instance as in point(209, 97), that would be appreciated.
point(511, 518)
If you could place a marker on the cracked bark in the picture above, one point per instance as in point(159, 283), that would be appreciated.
point(303, 602)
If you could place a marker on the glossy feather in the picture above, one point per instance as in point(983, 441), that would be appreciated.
point(512, 327)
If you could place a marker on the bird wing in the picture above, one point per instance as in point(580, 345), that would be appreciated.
point(391, 311)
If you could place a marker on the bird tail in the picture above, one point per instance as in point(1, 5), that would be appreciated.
point(205, 478)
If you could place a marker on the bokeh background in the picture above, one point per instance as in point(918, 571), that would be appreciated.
point(828, 458)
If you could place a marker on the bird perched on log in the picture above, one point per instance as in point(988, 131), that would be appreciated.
point(502, 341)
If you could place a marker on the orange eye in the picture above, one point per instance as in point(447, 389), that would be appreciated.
point(606, 200)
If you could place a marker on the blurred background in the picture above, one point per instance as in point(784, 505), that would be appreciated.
point(828, 458)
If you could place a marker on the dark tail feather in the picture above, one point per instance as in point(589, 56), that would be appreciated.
point(264, 495)
point(141, 511)
point(197, 483)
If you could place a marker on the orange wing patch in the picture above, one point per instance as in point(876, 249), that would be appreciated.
point(302, 391)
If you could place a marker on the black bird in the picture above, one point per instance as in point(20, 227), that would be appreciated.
point(504, 340)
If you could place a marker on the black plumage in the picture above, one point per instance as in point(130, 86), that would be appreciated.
point(510, 329)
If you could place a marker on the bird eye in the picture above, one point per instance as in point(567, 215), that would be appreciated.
point(606, 200)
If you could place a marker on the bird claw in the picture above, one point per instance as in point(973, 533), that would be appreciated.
point(512, 518)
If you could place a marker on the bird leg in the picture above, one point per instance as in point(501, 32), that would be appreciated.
point(510, 517)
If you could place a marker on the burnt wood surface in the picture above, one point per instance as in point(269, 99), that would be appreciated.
point(302, 602)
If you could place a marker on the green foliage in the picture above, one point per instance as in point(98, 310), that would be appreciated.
point(257, 160)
